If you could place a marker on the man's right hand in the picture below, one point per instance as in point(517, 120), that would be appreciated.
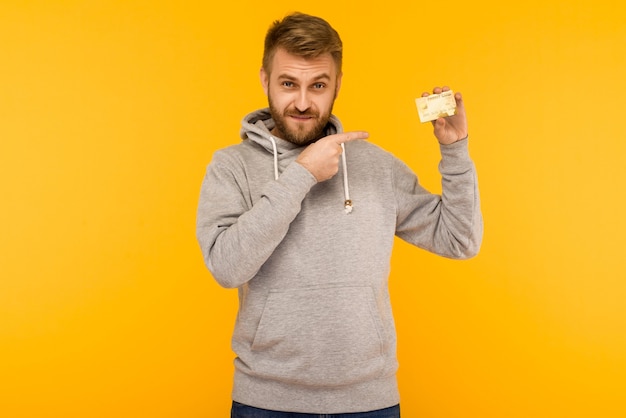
point(321, 158)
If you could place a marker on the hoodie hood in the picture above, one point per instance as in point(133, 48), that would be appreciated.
point(257, 126)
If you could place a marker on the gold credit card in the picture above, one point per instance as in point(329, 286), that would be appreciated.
point(436, 106)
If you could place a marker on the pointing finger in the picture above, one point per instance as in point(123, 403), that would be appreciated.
point(350, 136)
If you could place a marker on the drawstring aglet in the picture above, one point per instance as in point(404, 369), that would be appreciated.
point(348, 206)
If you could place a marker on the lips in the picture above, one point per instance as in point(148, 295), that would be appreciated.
point(301, 119)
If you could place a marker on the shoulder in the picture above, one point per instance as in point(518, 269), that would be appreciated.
point(368, 152)
point(366, 147)
point(235, 152)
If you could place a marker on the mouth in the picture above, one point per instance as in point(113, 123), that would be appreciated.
point(301, 118)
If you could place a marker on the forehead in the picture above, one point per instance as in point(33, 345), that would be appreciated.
point(285, 63)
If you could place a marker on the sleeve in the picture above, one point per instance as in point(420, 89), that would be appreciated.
point(237, 236)
point(450, 224)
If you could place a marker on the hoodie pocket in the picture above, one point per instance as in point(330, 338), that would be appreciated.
point(320, 336)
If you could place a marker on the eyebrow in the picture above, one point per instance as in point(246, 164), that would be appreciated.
point(323, 76)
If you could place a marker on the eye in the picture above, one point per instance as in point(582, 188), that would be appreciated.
point(287, 84)
point(319, 86)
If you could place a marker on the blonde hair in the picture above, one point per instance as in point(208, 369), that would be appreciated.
point(302, 35)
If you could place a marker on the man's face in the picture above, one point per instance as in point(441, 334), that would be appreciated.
point(301, 93)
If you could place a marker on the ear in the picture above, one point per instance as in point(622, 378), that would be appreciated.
point(338, 86)
point(265, 80)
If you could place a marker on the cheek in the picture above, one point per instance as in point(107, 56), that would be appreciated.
point(325, 104)
point(279, 101)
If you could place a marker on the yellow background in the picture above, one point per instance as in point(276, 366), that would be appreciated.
point(110, 111)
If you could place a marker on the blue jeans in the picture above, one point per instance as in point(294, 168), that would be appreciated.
point(244, 411)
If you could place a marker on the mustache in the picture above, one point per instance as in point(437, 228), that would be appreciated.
point(296, 112)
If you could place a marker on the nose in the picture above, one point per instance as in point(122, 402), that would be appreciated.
point(302, 102)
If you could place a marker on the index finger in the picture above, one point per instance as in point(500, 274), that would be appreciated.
point(349, 136)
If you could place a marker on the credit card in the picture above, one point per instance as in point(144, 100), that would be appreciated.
point(436, 106)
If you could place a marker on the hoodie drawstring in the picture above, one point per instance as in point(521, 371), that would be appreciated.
point(346, 188)
point(275, 157)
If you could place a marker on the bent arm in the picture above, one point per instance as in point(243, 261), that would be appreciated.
point(236, 235)
point(449, 224)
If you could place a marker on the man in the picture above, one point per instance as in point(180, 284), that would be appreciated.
point(309, 249)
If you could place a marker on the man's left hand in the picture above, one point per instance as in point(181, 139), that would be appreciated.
point(451, 128)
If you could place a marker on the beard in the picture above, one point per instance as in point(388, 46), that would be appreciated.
point(300, 135)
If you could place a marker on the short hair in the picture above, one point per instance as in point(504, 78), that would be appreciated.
point(302, 35)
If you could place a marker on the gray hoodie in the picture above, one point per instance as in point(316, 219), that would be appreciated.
point(315, 331)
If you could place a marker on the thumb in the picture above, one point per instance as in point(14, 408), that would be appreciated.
point(440, 125)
